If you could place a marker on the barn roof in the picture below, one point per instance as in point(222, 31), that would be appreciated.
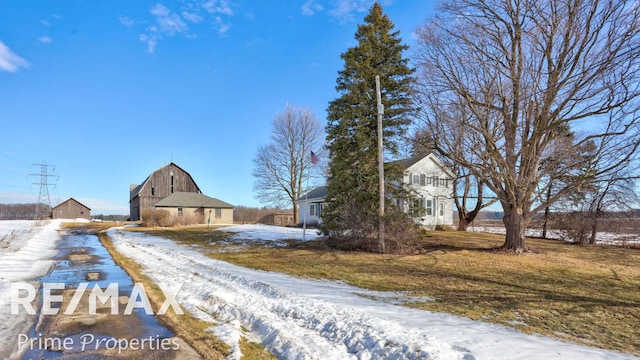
point(191, 200)
point(135, 189)
point(71, 199)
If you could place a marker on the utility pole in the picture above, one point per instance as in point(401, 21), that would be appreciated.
point(41, 211)
point(380, 168)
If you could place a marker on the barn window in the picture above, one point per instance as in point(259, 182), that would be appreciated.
point(180, 212)
point(218, 213)
point(153, 190)
point(172, 184)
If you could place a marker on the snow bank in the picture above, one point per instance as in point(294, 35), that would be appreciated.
point(274, 235)
point(299, 318)
point(25, 254)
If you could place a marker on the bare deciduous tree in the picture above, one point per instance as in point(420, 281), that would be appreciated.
point(283, 165)
point(524, 72)
point(468, 189)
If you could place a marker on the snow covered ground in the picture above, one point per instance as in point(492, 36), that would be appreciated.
point(26, 249)
point(298, 318)
point(604, 238)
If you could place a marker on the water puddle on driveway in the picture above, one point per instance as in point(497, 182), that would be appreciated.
point(82, 262)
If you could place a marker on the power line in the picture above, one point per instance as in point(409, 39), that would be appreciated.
point(41, 211)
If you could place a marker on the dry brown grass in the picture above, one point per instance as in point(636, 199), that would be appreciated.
point(588, 295)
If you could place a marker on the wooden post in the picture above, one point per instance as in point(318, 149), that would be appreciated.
point(380, 168)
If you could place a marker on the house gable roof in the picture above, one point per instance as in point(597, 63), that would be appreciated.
point(68, 200)
point(318, 193)
point(192, 200)
point(409, 162)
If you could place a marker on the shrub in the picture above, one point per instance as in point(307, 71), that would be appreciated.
point(152, 217)
point(444, 228)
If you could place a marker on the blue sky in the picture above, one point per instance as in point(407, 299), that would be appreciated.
point(109, 91)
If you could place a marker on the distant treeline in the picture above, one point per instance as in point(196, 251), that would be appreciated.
point(19, 211)
point(110, 217)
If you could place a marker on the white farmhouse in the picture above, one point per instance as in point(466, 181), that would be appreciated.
point(432, 183)
point(425, 175)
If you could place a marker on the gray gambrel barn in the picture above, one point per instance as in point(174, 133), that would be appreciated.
point(173, 190)
point(163, 182)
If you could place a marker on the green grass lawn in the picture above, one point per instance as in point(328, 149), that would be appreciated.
point(589, 295)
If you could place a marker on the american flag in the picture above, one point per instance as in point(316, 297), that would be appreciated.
point(314, 158)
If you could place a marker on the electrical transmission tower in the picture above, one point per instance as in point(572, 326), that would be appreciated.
point(43, 210)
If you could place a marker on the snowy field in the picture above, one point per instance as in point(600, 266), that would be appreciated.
point(602, 238)
point(298, 318)
point(26, 249)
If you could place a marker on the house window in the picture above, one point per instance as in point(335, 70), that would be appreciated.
point(429, 207)
point(312, 210)
point(416, 179)
point(441, 206)
point(180, 212)
point(436, 181)
point(423, 179)
point(418, 207)
point(443, 182)
point(429, 181)
point(218, 213)
point(320, 209)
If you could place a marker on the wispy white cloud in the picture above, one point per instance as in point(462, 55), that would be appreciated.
point(218, 7)
point(310, 7)
point(45, 39)
point(126, 21)
point(221, 26)
point(167, 23)
point(170, 22)
point(345, 10)
point(192, 16)
point(9, 61)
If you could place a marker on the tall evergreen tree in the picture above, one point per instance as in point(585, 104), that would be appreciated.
point(352, 125)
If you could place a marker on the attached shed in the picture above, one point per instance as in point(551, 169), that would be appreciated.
point(278, 219)
point(196, 208)
point(163, 182)
point(71, 209)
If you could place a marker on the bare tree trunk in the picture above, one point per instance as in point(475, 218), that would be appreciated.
point(594, 229)
point(516, 225)
point(463, 224)
point(547, 211)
